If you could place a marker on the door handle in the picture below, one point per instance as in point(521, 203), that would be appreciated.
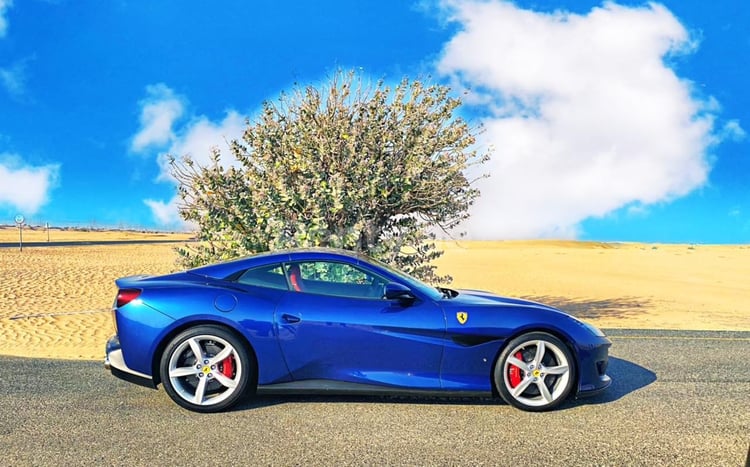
point(290, 318)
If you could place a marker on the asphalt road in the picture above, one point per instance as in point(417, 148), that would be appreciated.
point(678, 398)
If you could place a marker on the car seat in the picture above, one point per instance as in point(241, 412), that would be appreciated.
point(295, 277)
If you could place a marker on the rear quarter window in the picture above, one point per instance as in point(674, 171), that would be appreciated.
point(265, 276)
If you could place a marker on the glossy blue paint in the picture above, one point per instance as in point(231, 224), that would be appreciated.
point(225, 302)
point(361, 340)
point(437, 343)
point(138, 327)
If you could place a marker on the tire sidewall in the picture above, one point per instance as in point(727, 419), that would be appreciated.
point(499, 379)
point(241, 352)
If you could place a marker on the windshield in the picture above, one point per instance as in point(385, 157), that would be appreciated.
point(411, 282)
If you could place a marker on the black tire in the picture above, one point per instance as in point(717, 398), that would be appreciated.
point(214, 382)
point(533, 382)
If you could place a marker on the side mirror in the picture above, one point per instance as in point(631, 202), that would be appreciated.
point(396, 291)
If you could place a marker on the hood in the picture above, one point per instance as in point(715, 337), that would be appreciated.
point(479, 298)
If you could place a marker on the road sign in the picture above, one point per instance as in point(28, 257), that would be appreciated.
point(19, 221)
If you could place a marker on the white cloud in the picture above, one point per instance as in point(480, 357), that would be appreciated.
point(733, 131)
point(584, 114)
point(4, 6)
point(165, 213)
point(196, 141)
point(24, 187)
point(159, 111)
point(199, 136)
point(13, 79)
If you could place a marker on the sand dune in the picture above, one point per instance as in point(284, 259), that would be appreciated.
point(55, 302)
point(626, 285)
point(66, 335)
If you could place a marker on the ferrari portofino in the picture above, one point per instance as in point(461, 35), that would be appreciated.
point(332, 322)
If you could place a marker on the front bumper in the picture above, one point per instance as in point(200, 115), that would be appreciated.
point(604, 382)
point(594, 360)
point(115, 363)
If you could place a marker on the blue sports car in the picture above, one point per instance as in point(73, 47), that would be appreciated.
point(332, 322)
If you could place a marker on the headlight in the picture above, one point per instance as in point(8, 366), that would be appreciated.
point(591, 328)
point(594, 330)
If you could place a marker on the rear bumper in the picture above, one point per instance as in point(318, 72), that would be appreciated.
point(115, 363)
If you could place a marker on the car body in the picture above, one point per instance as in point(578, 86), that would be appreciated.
point(332, 322)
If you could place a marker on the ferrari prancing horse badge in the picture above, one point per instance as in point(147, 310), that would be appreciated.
point(462, 317)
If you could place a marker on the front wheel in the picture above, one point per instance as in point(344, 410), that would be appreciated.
point(206, 369)
point(535, 372)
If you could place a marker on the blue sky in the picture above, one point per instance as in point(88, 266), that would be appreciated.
point(609, 121)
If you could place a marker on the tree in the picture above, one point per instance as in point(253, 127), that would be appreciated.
point(357, 166)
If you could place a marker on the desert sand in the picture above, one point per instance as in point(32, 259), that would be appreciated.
point(614, 285)
point(11, 234)
point(55, 302)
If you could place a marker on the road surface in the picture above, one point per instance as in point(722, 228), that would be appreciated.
point(678, 398)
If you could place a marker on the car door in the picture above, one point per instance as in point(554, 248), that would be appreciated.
point(335, 325)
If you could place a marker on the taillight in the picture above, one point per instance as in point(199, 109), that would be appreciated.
point(125, 296)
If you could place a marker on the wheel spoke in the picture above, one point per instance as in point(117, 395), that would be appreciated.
point(518, 390)
point(226, 382)
point(225, 352)
point(516, 362)
point(200, 390)
point(556, 370)
point(195, 346)
point(182, 371)
point(540, 349)
point(543, 389)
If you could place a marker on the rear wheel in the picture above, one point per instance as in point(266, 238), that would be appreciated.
point(535, 372)
point(206, 369)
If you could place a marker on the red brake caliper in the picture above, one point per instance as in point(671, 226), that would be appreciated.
point(514, 373)
point(227, 367)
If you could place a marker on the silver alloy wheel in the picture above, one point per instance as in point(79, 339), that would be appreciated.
point(550, 381)
point(205, 370)
point(535, 372)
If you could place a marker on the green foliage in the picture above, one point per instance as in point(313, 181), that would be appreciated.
point(361, 167)
point(334, 272)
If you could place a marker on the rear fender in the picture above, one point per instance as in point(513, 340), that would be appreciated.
point(260, 337)
point(178, 328)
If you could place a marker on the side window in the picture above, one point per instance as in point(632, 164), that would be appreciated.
point(339, 273)
point(332, 278)
point(265, 276)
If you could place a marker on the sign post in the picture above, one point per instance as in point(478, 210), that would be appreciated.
point(19, 220)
